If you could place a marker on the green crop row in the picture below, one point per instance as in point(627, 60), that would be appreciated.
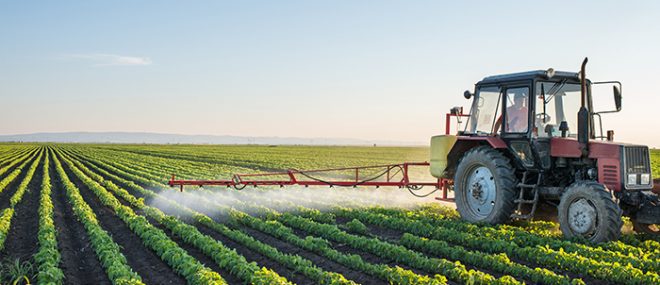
point(48, 256)
point(644, 261)
point(13, 154)
point(627, 247)
point(316, 215)
point(154, 238)
point(107, 251)
point(16, 158)
point(452, 270)
point(23, 160)
point(496, 262)
point(294, 262)
point(225, 257)
point(595, 250)
point(394, 275)
point(541, 255)
point(8, 213)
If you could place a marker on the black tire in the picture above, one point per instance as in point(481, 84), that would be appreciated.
point(504, 181)
point(596, 216)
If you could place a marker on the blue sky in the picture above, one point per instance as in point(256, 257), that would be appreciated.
point(359, 69)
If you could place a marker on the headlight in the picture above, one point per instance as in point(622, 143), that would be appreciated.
point(645, 179)
point(632, 179)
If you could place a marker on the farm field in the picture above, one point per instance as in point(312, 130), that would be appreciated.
point(103, 214)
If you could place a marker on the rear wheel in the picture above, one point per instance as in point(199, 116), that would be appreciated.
point(484, 186)
point(587, 210)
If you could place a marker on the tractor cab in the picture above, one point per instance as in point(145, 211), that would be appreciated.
point(527, 104)
point(531, 139)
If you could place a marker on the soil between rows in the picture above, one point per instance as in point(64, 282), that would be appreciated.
point(21, 239)
point(251, 255)
point(10, 159)
point(318, 260)
point(391, 235)
point(198, 254)
point(140, 258)
point(14, 158)
point(9, 191)
point(79, 262)
point(192, 251)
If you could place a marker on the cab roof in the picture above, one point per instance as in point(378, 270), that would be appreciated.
point(535, 74)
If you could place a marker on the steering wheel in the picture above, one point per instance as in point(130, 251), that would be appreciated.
point(543, 118)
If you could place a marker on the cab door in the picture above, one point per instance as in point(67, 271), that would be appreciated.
point(517, 124)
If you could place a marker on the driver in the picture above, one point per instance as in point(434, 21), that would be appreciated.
point(517, 115)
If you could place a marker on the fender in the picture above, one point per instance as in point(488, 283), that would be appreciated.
point(460, 146)
point(494, 142)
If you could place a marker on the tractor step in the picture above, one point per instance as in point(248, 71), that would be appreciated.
point(522, 186)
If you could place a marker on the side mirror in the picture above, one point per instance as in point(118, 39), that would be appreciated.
point(467, 94)
point(617, 97)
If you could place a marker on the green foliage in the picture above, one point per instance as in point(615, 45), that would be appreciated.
point(152, 237)
point(429, 230)
point(111, 258)
point(355, 226)
point(47, 257)
point(16, 272)
point(8, 213)
point(490, 240)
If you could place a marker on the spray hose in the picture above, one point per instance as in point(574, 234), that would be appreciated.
point(411, 188)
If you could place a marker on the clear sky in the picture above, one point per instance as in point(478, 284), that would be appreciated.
point(386, 70)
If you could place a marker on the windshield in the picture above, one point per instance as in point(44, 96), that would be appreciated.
point(484, 111)
point(556, 102)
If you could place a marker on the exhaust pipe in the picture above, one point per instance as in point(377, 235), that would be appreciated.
point(583, 114)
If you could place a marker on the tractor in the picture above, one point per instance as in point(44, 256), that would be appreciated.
point(531, 138)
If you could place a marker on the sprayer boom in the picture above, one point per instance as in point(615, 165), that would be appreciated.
point(393, 175)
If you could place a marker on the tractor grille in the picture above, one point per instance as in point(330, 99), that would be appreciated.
point(637, 159)
point(611, 176)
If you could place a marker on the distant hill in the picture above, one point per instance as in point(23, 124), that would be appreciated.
point(159, 138)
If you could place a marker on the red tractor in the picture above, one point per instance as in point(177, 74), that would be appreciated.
point(531, 138)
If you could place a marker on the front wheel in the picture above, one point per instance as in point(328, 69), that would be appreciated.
point(587, 210)
point(484, 186)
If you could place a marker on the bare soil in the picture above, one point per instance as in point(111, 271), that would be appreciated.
point(79, 262)
point(141, 259)
point(320, 261)
point(21, 242)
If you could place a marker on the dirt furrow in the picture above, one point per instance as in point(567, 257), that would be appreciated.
point(79, 262)
point(318, 260)
point(140, 258)
point(21, 239)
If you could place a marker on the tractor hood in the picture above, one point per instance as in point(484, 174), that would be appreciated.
point(621, 166)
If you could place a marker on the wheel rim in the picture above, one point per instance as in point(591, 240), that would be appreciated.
point(582, 217)
point(480, 191)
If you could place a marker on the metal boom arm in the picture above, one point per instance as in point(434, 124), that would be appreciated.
point(394, 175)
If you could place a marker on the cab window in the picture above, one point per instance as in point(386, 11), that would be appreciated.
point(485, 110)
point(517, 113)
point(556, 102)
